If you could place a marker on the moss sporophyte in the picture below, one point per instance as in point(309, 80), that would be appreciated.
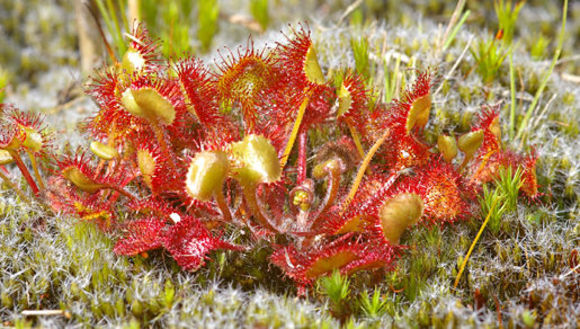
point(181, 153)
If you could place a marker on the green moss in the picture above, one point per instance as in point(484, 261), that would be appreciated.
point(53, 262)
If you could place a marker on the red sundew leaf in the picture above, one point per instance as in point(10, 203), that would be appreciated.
point(277, 114)
point(399, 117)
point(486, 168)
point(364, 207)
point(155, 168)
point(115, 120)
point(78, 170)
point(527, 164)
point(144, 50)
point(353, 101)
point(530, 181)
point(421, 87)
point(298, 59)
point(153, 206)
point(247, 78)
point(279, 110)
point(402, 210)
point(139, 236)
point(343, 255)
point(404, 151)
point(24, 131)
point(378, 254)
point(93, 208)
point(11, 137)
point(189, 242)
point(201, 91)
point(32, 121)
point(443, 191)
point(305, 268)
point(319, 109)
point(488, 122)
point(112, 121)
point(168, 88)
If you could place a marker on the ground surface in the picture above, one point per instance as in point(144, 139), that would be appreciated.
point(525, 275)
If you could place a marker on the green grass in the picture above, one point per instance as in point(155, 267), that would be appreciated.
point(489, 56)
point(507, 15)
point(207, 17)
point(260, 12)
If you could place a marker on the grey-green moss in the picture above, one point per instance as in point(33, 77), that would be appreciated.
point(527, 268)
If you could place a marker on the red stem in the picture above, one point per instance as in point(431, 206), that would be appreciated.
point(301, 163)
point(121, 191)
point(25, 172)
point(249, 192)
point(223, 205)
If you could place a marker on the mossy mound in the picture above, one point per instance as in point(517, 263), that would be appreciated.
point(524, 274)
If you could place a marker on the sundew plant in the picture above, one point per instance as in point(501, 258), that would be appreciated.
point(359, 190)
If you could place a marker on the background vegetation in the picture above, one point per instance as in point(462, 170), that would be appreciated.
point(523, 272)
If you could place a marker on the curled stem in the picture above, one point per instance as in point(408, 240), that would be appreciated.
point(252, 202)
point(295, 130)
